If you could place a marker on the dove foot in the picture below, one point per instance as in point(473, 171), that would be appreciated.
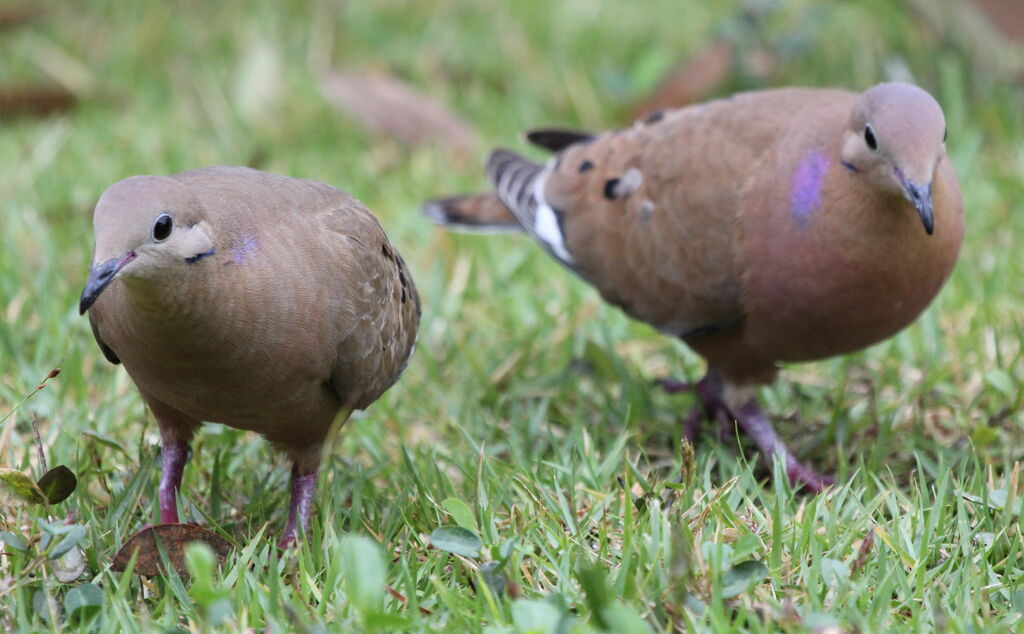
point(303, 486)
point(752, 422)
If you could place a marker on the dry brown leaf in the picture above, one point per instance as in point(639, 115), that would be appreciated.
point(991, 32)
point(173, 538)
point(13, 16)
point(37, 101)
point(1005, 15)
point(390, 107)
point(692, 81)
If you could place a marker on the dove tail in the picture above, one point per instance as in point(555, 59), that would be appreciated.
point(473, 212)
point(519, 184)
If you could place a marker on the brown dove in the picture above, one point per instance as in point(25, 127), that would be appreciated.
point(768, 227)
point(266, 303)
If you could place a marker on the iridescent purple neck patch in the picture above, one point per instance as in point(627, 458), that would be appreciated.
point(248, 246)
point(805, 192)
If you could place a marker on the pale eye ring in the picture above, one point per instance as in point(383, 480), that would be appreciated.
point(162, 227)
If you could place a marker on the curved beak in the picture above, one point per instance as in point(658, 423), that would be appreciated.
point(100, 276)
point(921, 197)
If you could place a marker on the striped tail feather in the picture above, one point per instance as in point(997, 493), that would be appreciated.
point(519, 184)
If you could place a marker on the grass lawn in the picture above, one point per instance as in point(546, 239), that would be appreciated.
point(527, 416)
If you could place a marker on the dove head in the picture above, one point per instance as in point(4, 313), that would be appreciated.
point(148, 229)
point(896, 139)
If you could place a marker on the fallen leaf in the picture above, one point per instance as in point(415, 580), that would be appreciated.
point(57, 484)
point(456, 540)
point(69, 566)
point(390, 107)
point(173, 538)
point(18, 488)
point(1005, 15)
point(37, 101)
point(13, 16)
point(692, 81)
point(863, 551)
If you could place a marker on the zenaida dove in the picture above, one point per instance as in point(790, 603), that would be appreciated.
point(775, 226)
point(266, 303)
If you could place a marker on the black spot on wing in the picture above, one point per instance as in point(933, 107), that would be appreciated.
point(654, 117)
point(556, 140)
point(609, 188)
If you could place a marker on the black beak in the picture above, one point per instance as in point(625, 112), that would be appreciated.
point(100, 276)
point(921, 196)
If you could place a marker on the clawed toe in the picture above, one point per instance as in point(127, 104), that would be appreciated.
point(808, 480)
point(750, 420)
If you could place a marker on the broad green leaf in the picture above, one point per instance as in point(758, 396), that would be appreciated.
point(1002, 382)
point(536, 616)
point(507, 548)
point(388, 622)
point(983, 436)
point(201, 563)
point(83, 600)
point(746, 546)
point(12, 540)
point(623, 620)
point(456, 540)
point(57, 484)
point(106, 441)
point(461, 513)
point(741, 577)
point(45, 606)
point(18, 488)
point(72, 537)
point(494, 577)
point(363, 564)
point(834, 572)
point(202, 568)
point(594, 582)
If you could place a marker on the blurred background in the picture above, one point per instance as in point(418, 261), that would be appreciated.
point(398, 101)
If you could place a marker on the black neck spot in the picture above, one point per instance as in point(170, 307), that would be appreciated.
point(199, 256)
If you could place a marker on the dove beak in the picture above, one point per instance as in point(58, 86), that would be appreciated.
point(921, 197)
point(100, 276)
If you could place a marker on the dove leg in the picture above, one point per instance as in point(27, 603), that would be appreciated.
point(176, 431)
point(174, 456)
point(303, 486)
point(751, 420)
point(711, 406)
point(758, 427)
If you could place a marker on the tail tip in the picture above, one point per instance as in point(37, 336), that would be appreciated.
point(436, 211)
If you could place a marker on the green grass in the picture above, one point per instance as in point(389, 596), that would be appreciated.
point(527, 415)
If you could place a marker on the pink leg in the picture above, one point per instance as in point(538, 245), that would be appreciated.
point(303, 487)
point(752, 422)
point(755, 424)
point(174, 456)
point(709, 392)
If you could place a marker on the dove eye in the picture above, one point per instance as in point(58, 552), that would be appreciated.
point(162, 228)
point(869, 138)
